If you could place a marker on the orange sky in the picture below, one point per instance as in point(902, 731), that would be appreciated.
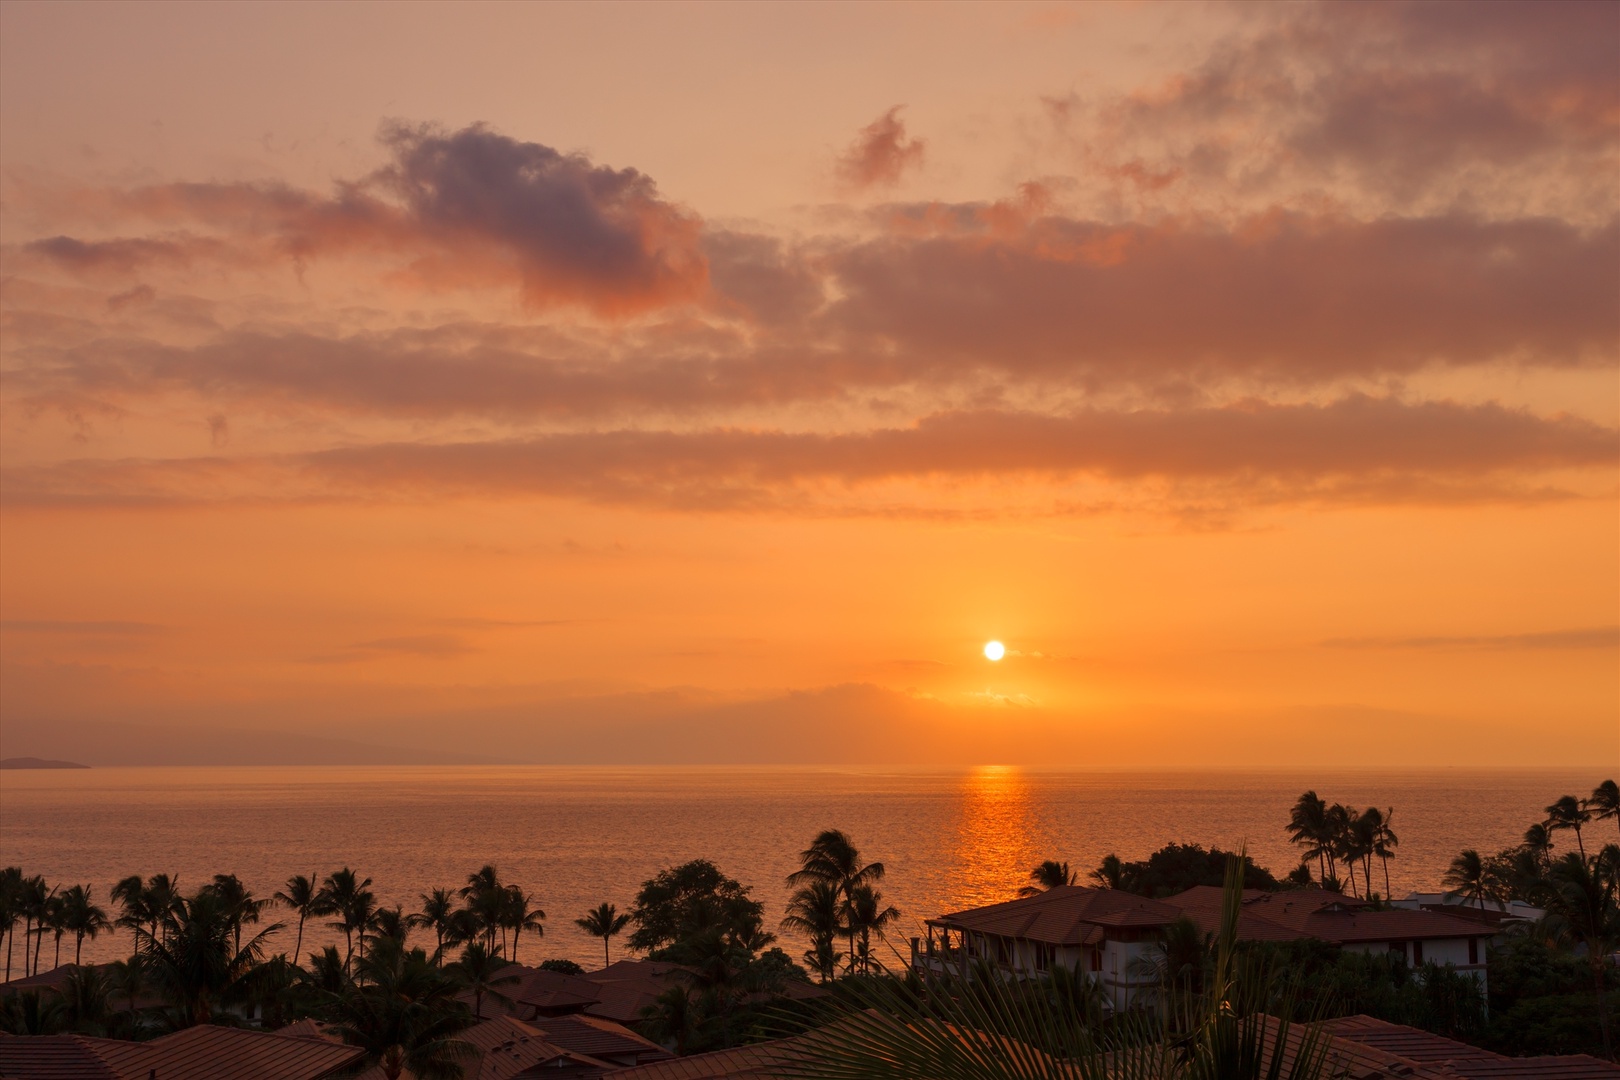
point(654, 383)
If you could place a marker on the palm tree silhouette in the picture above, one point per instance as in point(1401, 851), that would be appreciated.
point(518, 914)
point(1580, 899)
point(239, 901)
point(832, 857)
point(603, 921)
point(405, 1014)
point(1568, 813)
point(1051, 874)
point(1538, 842)
point(868, 915)
point(485, 897)
point(350, 899)
point(438, 907)
point(482, 970)
point(1308, 827)
point(302, 895)
point(82, 918)
point(195, 963)
point(33, 900)
point(1384, 843)
point(1605, 802)
point(1470, 878)
point(1110, 873)
point(816, 910)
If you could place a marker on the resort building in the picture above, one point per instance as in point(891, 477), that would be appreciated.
point(1105, 932)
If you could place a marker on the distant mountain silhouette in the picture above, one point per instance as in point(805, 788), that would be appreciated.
point(38, 763)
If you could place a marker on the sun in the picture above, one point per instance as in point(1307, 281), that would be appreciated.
point(994, 650)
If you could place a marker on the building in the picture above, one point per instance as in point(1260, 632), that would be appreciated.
point(1104, 932)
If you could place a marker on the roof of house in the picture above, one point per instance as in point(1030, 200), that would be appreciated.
point(205, 1052)
point(508, 1048)
point(598, 1037)
point(625, 987)
point(1460, 1059)
point(1066, 915)
point(1326, 916)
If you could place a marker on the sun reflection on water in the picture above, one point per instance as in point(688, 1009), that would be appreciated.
point(995, 846)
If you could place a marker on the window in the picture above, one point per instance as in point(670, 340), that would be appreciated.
point(1473, 950)
point(1417, 954)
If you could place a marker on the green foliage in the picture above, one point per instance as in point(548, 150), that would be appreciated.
point(561, 966)
point(1176, 868)
point(694, 899)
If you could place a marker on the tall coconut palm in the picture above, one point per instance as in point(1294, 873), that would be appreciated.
point(243, 906)
point(1569, 813)
point(1110, 873)
point(1384, 844)
point(437, 908)
point(302, 895)
point(832, 857)
point(485, 897)
point(82, 918)
point(483, 971)
point(1538, 841)
point(195, 963)
point(1470, 878)
point(1338, 840)
point(518, 914)
point(391, 923)
point(1605, 802)
point(868, 915)
point(1308, 827)
point(11, 912)
point(347, 896)
point(1051, 874)
point(33, 900)
point(605, 922)
point(53, 923)
point(816, 910)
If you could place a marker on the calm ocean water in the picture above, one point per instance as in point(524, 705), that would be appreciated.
point(576, 836)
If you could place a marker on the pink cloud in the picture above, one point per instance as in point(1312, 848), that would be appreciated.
point(881, 153)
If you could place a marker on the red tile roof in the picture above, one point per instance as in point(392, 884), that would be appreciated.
point(1326, 916)
point(197, 1053)
point(598, 1037)
point(1462, 1060)
point(1067, 915)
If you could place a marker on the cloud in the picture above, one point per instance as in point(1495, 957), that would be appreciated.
point(464, 207)
point(1359, 448)
point(426, 646)
point(1601, 637)
point(880, 154)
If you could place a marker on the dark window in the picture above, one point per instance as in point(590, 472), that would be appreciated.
point(1417, 954)
point(1473, 950)
point(1398, 948)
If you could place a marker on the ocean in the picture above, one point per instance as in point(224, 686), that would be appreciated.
point(577, 836)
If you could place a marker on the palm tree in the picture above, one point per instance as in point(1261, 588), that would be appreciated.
point(1051, 874)
point(405, 1015)
point(1384, 844)
point(832, 857)
point(1605, 802)
point(1308, 827)
point(54, 924)
point(87, 993)
point(1110, 873)
point(302, 895)
point(82, 918)
point(815, 910)
point(127, 979)
point(33, 900)
point(195, 963)
point(1581, 900)
point(437, 908)
point(484, 896)
point(243, 906)
point(518, 914)
point(351, 900)
point(481, 970)
point(1338, 828)
point(1568, 813)
point(1538, 842)
point(604, 921)
point(11, 886)
point(1470, 878)
point(867, 915)
point(391, 923)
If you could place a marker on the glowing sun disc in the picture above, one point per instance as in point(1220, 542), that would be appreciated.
point(994, 650)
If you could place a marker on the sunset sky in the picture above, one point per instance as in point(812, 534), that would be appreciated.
point(655, 383)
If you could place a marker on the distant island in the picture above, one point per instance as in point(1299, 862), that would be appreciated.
point(38, 763)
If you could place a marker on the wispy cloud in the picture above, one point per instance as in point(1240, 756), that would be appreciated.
point(1600, 637)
